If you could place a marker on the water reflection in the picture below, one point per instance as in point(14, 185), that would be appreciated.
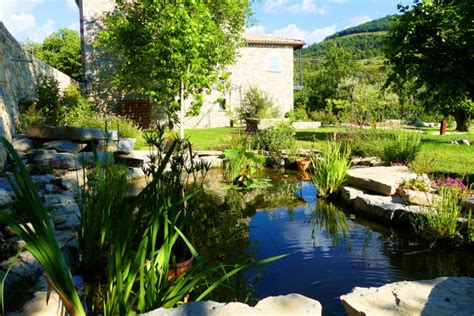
point(328, 218)
point(330, 251)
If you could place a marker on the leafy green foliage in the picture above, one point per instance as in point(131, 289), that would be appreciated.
point(47, 97)
point(364, 103)
point(35, 228)
point(322, 76)
point(330, 170)
point(257, 104)
point(61, 50)
point(185, 43)
point(430, 49)
point(275, 139)
point(240, 168)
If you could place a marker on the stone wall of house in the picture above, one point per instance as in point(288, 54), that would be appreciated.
point(18, 72)
point(97, 66)
point(253, 68)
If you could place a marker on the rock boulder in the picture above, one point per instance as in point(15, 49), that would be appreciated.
point(292, 304)
point(441, 296)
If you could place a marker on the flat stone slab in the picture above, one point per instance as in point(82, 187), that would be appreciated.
point(382, 180)
point(292, 304)
point(68, 132)
point(136, 159)
point(441, 296)
point(23, 144)
point(420, 198)
point(64, 145)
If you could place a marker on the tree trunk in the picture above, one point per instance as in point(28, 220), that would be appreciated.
point(182, 111)
point(462, 118)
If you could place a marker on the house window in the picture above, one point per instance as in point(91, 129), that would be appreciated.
point(222, 104)
point(274, 63)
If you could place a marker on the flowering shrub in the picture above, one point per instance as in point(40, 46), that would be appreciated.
point(449, 182)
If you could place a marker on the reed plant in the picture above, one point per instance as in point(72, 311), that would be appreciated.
point(329, 171)
point(440, 219)
point(33, 225)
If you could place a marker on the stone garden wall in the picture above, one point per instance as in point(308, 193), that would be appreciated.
point(18, 72)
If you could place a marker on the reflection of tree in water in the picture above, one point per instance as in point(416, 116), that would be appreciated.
point(326, 216)
point(219, 231)
point(429, 261)
point(283, 193)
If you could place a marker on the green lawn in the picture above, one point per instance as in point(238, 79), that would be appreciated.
point(441, 157)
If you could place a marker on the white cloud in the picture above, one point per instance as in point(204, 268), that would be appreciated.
point(301, 8)
point(338, 1)
point(309, 36)
point(19, 20)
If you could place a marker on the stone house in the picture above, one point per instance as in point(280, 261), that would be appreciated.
point(265, 62)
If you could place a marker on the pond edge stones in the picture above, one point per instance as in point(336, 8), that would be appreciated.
point(381, 180)
point(291, 304)
point(440, 296)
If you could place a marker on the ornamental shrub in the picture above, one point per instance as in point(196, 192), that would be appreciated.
point(257, 104)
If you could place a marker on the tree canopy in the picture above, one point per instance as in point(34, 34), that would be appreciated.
point(163, 47)
point(62, 50)
point(431, 47)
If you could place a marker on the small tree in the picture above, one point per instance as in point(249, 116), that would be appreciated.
point(257, 104)
point(170, 49)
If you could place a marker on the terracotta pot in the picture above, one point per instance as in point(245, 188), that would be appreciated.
point(303, 163)
point(180, 268)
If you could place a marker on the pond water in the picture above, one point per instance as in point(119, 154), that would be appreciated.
point(330, 250)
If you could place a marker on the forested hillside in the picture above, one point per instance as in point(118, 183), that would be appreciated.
point(363, 41)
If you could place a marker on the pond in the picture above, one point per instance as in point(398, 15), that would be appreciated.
point(330, 249)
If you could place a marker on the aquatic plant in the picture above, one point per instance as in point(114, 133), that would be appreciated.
point(330, 170)
point(35, 228)
point(240, 168)
point(440, 219)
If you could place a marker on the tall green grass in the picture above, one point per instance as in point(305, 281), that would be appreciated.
point(33, 225)
point(440, 220)
point(330, 170)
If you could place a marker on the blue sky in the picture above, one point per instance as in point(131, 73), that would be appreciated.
point(311, 20)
